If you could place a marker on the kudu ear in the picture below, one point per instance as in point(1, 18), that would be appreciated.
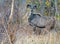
point(35, 6)
point(28, 6)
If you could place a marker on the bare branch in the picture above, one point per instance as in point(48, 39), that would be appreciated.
point(12, 9)
point(10, 17)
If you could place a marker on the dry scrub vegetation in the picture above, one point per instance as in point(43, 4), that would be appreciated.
point(15, 30)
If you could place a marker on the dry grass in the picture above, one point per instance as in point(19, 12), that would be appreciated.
point(27, 37)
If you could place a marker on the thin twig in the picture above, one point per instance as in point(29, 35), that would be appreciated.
point(7, 34)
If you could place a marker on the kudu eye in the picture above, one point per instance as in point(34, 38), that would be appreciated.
point(28, 6)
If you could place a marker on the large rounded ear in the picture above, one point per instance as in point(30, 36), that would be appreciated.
point(35, 6)
point(28, 6)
